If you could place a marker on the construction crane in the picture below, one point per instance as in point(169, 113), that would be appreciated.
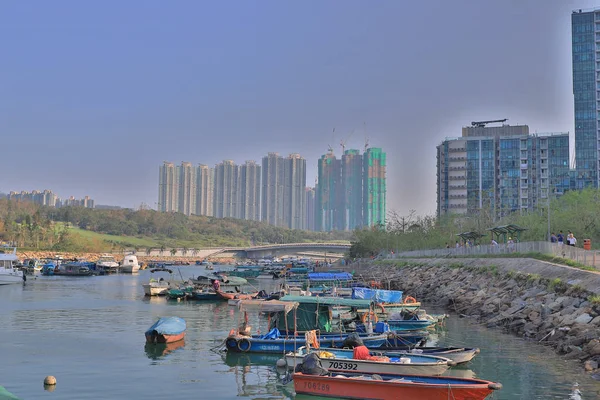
point(366, 138)
point(329, 148)
point(343, 142)
point(482, 124)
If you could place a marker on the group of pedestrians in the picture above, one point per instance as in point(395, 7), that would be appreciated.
point(570, 239)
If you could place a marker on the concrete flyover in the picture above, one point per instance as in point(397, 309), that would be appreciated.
point(333, 250)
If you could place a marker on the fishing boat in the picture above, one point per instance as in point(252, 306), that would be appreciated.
point(130, 264)
point(76, 268)
point(409, 325)
point(459, 355)
point(241, 340)
point(8, 273)
point(226, 283)
point(392, 387)
point(158, 287)
point(166, 330)
point(236, 296)
point(363, 360)
point(205, 294)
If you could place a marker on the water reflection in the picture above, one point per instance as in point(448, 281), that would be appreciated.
point(255, 374)
point(155, 351)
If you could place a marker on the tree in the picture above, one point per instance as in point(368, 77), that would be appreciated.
point(173, 251)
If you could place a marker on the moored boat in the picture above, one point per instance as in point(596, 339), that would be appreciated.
point(363, 360)
point(106, 263)
point(393, 387)
point(77, 268)
point(409, 325)
point(236, 296)
point(158, 287)
point(459, 355)
point(130, 264)
point(8, 273)
point(166, 330)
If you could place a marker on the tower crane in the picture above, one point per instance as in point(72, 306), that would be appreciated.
point(482, 124)
point(343, 142)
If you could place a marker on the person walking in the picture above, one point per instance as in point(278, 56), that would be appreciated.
point(553, 238)
point(560, 238)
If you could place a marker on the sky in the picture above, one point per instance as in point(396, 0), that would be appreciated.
point(94, 96)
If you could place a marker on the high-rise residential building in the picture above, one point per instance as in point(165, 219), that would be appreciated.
point(44, 198)
point(351, 192)
point(225, 190)
point(204, 190)
point(501, 169)
point(352, 186)
point(586, 92)
point(374, 187)
point(294, 182)
point(329, 194)
point(187, 189)
point(309, 204)
point(168, 188)
point(272, 189)
point(249, 189)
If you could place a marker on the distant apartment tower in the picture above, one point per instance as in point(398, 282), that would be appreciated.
point(294, 181)
point(273, 189)
point(309, 204)
point(329, 194)
point(168, 188)
point(49, 199)
point(501, 169)
point(352, 186)
point(374, 187)
point(204, 190)
point(586, 93)
point(187, 188)
point(225, 190)
point(249, 190)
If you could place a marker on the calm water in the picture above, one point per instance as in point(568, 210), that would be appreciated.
point(88, 332)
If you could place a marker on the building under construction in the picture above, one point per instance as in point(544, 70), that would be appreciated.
point(351, 192)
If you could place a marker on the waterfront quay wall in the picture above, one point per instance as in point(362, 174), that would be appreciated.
point(546, 303)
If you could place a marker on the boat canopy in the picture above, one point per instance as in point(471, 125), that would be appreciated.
point(329, 276)
point(329, 301)
point(267, 306)
point(378, 295)
point(168, 326)
point(161, 270)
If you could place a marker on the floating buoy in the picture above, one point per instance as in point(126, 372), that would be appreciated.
point(281, 363)
point(50, 380)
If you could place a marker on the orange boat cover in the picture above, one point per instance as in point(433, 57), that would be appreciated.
point(361, 353)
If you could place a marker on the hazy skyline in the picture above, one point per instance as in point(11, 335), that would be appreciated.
point(97, 95)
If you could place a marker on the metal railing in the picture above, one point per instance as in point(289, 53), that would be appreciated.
point(590, 258)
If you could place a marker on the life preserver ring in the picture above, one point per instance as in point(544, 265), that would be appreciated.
point(373, 315)
point(231, 343)
point(244, 345)
point(410, 300)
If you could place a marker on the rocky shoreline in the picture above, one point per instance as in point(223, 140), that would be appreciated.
point(40, 255)
point(546, 311)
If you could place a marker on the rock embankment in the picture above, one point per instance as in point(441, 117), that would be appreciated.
point(547, 311)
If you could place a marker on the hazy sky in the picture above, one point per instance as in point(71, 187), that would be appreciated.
point(95, 95)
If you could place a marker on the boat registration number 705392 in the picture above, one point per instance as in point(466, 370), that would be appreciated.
point(343, 365)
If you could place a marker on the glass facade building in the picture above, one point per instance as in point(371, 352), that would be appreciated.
point(585, 28)
point(507, 171)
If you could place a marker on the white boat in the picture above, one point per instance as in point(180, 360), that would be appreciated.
point(342, 360)
point(8, 273)
point(130, 264)
point(158, 287)
point(107, 263)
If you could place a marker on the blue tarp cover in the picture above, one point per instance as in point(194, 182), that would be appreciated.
point(168, 326)
point(273, 334)
point(377, 295)
point(329, 276)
